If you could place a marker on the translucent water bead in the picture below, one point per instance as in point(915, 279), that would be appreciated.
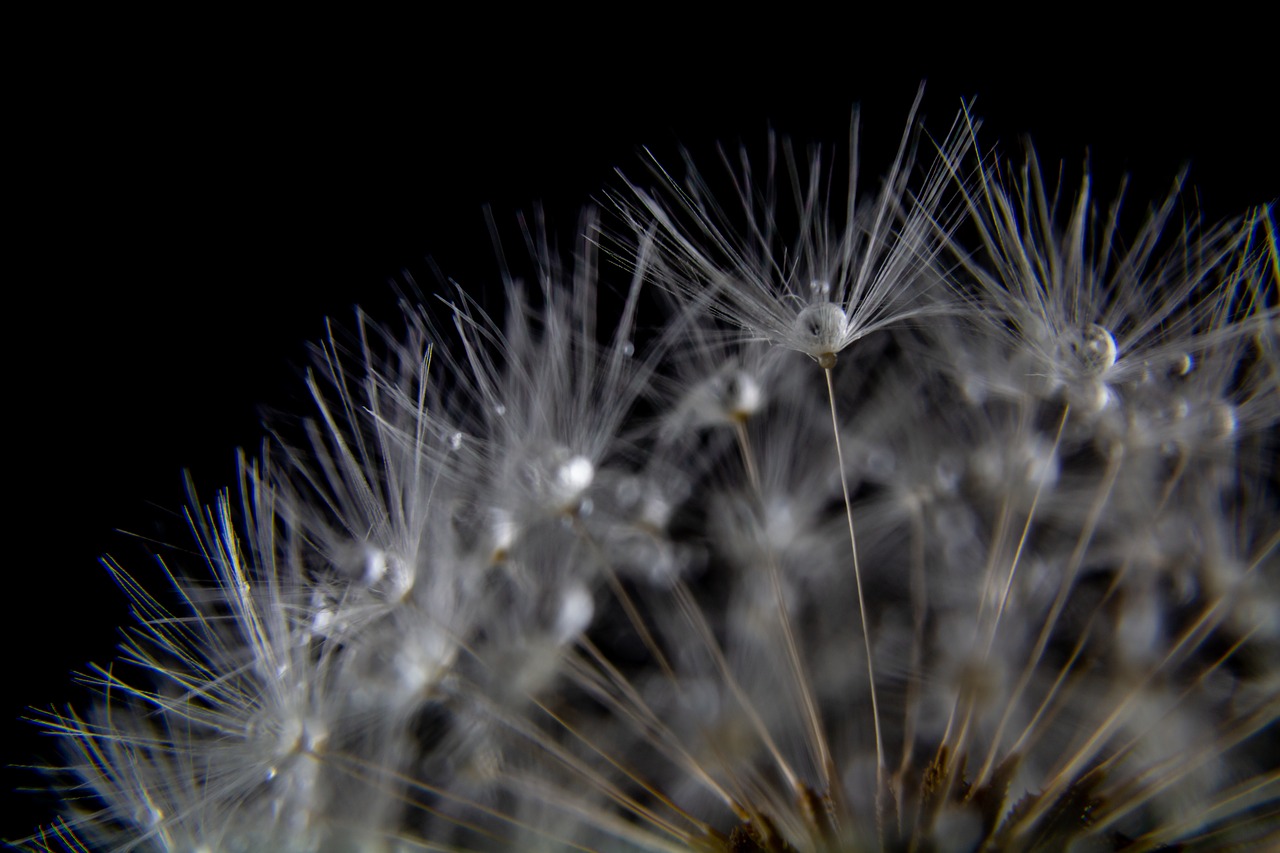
point(1096, 350)
point(559, 478)
point(820, 331)
point(738, 395)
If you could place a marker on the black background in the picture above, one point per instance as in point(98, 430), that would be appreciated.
point(191, 200)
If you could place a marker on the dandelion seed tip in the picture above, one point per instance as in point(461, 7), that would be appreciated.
point(826, 360)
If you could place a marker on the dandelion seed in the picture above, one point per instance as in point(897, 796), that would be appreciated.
point(846, 273)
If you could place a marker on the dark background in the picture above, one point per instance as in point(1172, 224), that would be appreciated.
point(186, 211)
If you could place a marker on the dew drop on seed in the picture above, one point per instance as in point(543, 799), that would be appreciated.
point(656, 512)
point(1096, 350)
point(739, 395)
point(455, 441)
point(576, 610)
point(559, 478)
point(1092, 396)
point(375, 565)
point(575, 475)
point(502, 531)
point(821, 328)
point(820, 289)
point(1184, 364)
point(628, 492)
point(628, 349)
point(499, 410)
point(1225, 422)
point(321, 621)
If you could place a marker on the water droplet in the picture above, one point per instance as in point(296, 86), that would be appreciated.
point(628, 349)
point(1225, 421)
point(455, 441)
point(820, 329)
point(576, 610)
point(574, 476)
point(1096, 350)
point(375, 564)
point(499, 410)
point(628, 492)
point(738, 394)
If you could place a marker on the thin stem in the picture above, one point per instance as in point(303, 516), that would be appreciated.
point(857, 580)
point(1022, 540)
point(1071, 570)
point(816, 735)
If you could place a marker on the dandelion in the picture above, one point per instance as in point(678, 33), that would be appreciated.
point(546, 581)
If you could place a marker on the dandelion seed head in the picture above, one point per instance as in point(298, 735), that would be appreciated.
point(605, 592)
